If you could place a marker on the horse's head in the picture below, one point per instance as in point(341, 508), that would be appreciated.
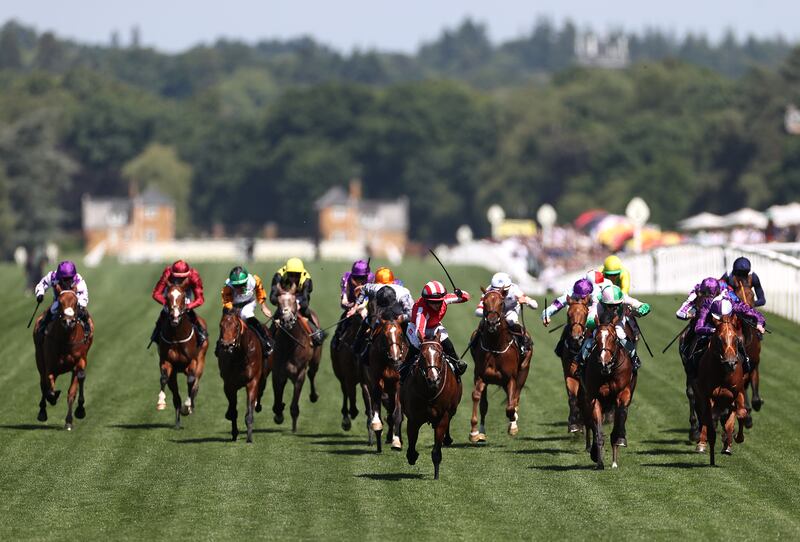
point(743, 290)
point(176, 304)
point(396, 345)
point(68, 309)
point(231, 331)
point(577, 315)
point(606, 347)
point(726, 339)
point(493, 301)
point(287, 306)
point(431, 361)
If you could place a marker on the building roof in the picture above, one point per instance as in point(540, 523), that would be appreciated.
point(334, 196)
point(105, 212)
point(154, 196)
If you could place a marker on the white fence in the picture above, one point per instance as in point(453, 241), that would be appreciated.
point(675, 270)
point(207, 250)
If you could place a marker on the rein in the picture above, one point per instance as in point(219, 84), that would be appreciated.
point(179, 341)
point(444, 368)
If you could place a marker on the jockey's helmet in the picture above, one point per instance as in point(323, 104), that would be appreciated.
point(582, 288)
point(384, 275)
point(434, 291)
point(611, 295)
point(741, 266)
point(386, 297)
point(612, 265)
point(709, 286)
point(295, 265)
point(721, 307)
point(501, 281)
point(180, 269)
point(238, 276)
point(66, 271)
point(360, 269)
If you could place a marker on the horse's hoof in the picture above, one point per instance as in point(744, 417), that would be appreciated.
point(42, 417)
point(161, 404)
point(513, 429)
point(694, 436)
point(474, 437)
point(178, 426)
point(229, 416)
point(748, 421)
point(376, 425)
point(313, 397)
point(249, 440)
point(396, 444)
point(234, 436)
point(412, 456)
point(701, 448)
point(258, 407)
point(482, 438)
point(68, 427)
point(448, 440)
point(622, 441)
point(574, 428)
point(727, 450)
point(739, 438)
point(593, 454)
point(346, 424)
point(614, 465)
point(354, 413)
point(185, 411)
point(278, 418)
point(80, 412)
point(600, 466)
point(757, 403)
point(52, 398)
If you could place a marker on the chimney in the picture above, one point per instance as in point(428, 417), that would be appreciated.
point(355, 189)
point(133, 189)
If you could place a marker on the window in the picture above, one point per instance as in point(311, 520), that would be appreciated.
point(150, 211)
point(339, 212)
point(149, 235)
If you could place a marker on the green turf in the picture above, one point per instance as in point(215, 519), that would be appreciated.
point(125, 473)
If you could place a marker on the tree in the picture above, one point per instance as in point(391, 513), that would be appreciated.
point(10, 56)
point(49, 53)
point(159, 166)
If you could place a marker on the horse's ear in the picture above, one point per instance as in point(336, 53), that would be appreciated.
point(438, 336)
point(483, 289)
point(293, 289)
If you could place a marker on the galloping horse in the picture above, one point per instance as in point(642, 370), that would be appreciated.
point(497, 361)
point(386, 352)
point(241, 364)
point(179, 352)
point(608, 383)
point(63, 349)
point(720, 386)
point(347, 368)
point(571, 340)
point(430, 395)
point(294, 357)
point(752, 346)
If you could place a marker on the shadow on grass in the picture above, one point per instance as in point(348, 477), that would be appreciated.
point(552, 438)
point(267, 431)
point(351, 451)
point(142, 426)
point(202, 440)
point(340, 442)
point(552, 424)
point(319, 435)
point(29, 427)
point(676, 430)
point(678, 465)
point(543, 451)
point(389, 476)
point(661, 451)
point(665, 441)
point(561, 468)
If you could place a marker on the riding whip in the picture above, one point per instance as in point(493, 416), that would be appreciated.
point(336, 323)
point(675, 338)
point(34, 313)
point(559, 326)
point(643, 339)
point(444, 268)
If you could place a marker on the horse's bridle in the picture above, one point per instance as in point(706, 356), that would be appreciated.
point(607, 369)
point(395, 343)
point(233, 346)
point(425, 367)
point(492, 327)
point(723, 347)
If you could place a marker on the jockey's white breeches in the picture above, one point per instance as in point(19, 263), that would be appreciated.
point(413, 336)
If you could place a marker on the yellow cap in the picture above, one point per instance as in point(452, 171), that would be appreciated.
point(295, 265)
point(612, 266)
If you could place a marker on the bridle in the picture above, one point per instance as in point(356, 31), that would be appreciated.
point(426, 367)
point(726, 348)
point(394, 347)
point(490, 325)
point(607, 368)
point(231, 347)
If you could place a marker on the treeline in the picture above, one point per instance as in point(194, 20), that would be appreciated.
point(238, 152)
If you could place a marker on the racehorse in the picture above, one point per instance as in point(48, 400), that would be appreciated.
point(347, 368)
point(695, 408)
point(497, 361)
point(294, 356)
point(752, 346)
point(608, 383)
point(430, 395)
point(179, 352)
point(571, 340)
point(387, 351)
point(241, 364)
point(63, 349)
point(720, 386)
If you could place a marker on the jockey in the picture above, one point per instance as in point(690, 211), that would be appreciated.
point(244, 291)
point(352, 281)
point(742, 277)
point(691, 349)
point(582, 288)
point(614, 307)
point(294, 274)
point(427, 315)
point(613, 270)
point(723, 305)
point(65, 277)
point(512, 306)
point(388, 300)
point(188, 278)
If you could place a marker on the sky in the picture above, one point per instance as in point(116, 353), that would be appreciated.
point(175, 25)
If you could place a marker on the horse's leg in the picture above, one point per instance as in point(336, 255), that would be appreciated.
point(44, 387)
point(484, 410)
point(711, 429)
point(191, 380)
point(477, 392)
point(278, 383)
point(313, 366)
point(232, 413)
point(694, 422)
point(252, 398)
point(572, 384)
point(166, 370)
point(294, 408)
point(618, 435)
point(80, 412)
point(367, 411)
point(412, 430)
point(346, 425)
point(71, 394)
point(376, 424)
point(727, 442)
point(262, 384)
point(511, 408)
point(754, 380)
point(740, 413)
point(599, 439)
point(438, 437)
point(397, 420)
point(52, 392)
point(748, 419)
point(176, 397)
point(350, 388)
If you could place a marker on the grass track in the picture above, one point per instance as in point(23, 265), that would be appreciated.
point(125, 473)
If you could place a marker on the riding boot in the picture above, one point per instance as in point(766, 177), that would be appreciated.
point(630, 347)
point(746, 365)
point(520, 338)
point(48, 317)
point(559, 349)
point(202, 334)
point(83, 318)
point(458, 365)
point(261, 333)
point(408, 363)
point(317, 335)
point(361, 337)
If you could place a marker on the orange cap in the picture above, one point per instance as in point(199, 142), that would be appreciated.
point(384, 275)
